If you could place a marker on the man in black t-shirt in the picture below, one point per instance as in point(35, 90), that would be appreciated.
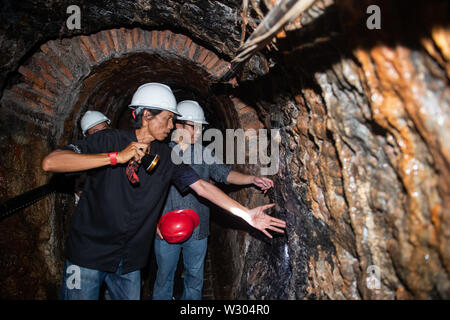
point(114, 223)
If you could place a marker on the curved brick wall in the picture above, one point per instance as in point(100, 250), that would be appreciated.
point(42, 106)
point(60, 64)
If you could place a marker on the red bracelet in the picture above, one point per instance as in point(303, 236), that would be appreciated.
point(113, 158)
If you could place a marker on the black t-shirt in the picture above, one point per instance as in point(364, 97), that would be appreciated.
point(114, 219)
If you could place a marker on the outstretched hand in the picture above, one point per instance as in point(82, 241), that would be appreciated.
point(261, 221)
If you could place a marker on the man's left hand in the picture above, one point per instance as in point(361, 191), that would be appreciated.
point(264, 183)
point(261, 221)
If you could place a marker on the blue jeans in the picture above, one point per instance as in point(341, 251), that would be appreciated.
point(81, 283)
point(167, 255)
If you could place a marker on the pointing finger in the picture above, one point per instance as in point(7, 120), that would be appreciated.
point(267, 234)
point(268, 206)
point(278, 223)
point(275, 229)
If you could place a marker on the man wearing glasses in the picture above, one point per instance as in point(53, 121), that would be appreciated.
point(192, 121)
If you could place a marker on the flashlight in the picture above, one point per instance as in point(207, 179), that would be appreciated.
point(149, 162)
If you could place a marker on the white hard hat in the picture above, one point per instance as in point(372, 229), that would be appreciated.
point(191, 111)
point(92, 118)
point(154, 95)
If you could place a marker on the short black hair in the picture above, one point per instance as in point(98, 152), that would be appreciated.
point(136, 123)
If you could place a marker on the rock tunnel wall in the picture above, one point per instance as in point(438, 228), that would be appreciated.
point(363, 180)
point(363, 114)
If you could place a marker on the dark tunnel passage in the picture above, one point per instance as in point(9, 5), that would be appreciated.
point(112, 84)
point(362, 133)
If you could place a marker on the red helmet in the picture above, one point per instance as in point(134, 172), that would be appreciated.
point(177, 226)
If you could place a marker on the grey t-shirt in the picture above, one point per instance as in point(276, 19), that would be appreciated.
point(176, 201)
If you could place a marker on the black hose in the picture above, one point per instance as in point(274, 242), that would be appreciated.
point(58, 182)
point(24, 200)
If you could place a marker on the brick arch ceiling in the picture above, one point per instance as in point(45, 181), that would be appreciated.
point(51, 79)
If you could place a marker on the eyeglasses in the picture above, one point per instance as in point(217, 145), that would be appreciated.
point(193, 126)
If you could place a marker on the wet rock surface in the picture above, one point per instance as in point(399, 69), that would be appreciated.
point(364, 171)
point(363, 180)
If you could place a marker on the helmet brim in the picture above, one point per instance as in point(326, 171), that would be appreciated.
point(96, 123)
point(196, 121)
point(153, 108)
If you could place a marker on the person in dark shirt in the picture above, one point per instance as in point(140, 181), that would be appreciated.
point(115, 219)
point(91, 122)
point(94, 121)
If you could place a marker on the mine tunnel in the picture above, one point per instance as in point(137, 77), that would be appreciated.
point(357, 90)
